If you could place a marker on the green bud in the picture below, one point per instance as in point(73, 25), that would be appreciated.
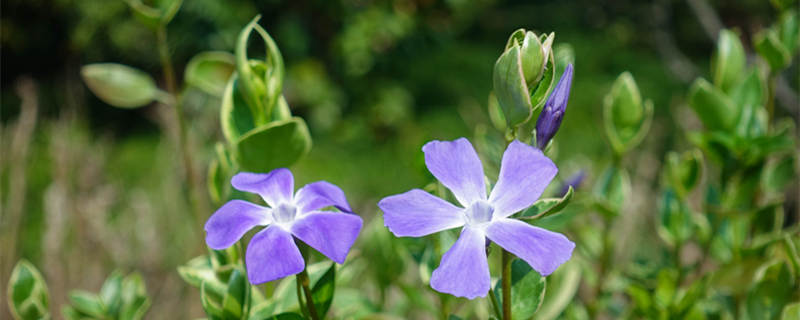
point(533, 59)
point(625, 101)
point(510, 87)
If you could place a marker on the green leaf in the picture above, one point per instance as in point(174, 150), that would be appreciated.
point(323, 290)
point(28, 296)
point(286, 316)
point(562, 287)
point(546, 207)
point(533, 58)
point(773, 289)
point(612, 189)
point(155, 17)
point(87, 303)
point(779, 174)
point(274, 145)
point(135, 301)
point(684, 171)
point(496, 114)
point(198, 271)
point(527, 290)
point(236, 116)
point(791, 312)
point(510, 87)
point(665, 288)
point(749, 97)
point(675, 226)
point(546, 84)
point(728, 62)
point(260, 91)
point(235, 298)
point(219, 174)
point(769, 46)
point(111, 293)
point(210, 71)
point(626, 119)
point(789, 30)
point(212, 308)
point(119, 85)
point(714, 108)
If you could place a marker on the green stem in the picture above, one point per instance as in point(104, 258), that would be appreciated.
point(495, 305)
point(169, 77)
point(304, 282)
point(300, 302)
point(506, 284)
point(248, 295)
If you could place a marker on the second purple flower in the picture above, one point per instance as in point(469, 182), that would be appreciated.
point(464, 270)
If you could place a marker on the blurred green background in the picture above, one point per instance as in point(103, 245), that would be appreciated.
point(99, 187)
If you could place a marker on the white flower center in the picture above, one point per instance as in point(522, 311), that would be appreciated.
point(284, 213)
point(479, 214)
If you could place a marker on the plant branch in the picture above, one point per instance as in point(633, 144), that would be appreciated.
point(506, 284)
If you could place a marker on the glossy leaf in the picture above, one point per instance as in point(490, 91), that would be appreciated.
point(729, 60)
point(119, 85)
point(712, 106)
point(87, 303)
point(275, 145)
point(546, 207)
point(236, 295)
point(111, 293)
point(769, 47)
point(28, 296)
point(527, 290)
point(323, 290)
point(510, 87)
point(210, 71)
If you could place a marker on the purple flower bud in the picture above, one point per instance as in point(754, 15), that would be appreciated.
point(550, 119)
point(573, 181)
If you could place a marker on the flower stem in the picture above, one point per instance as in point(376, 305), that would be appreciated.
point(506, 284)
point(195, 196)
point(304, 282)
point(302, 278)
point(495, 305)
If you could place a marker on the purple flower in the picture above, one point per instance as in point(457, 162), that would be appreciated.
point(464, 271)
point(272, 252)
point(550, 119)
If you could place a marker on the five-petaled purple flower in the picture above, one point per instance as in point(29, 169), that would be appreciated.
point(553, 113)
point(272, 253)
point(464, 271)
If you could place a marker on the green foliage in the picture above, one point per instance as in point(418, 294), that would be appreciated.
point(28, 296)
point(123, 298)
point(728, 62)
point(546, 207)
point(626, 118)
point(322, 292)
point(210, 71)
point(120, 86)
point(527, 290)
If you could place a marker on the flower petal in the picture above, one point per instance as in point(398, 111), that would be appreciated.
point(331, 233)
point(417, 213)
point(320, 194)
point(232, 221)
point(456, 164)
point(464, 271)
point(524, 174)
point(274, 187)
point(543, 250)
point(272, 254)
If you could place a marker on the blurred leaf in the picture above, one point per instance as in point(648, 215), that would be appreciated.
point(731, 278)
point(119, 85)
point(685, 171)
point(625, 118)
point(676, 221)
point(286, 316)
point(774, 287)
point(198, 272)
point(546, 207)
point(87, 303)
point(612, 189)
point(28, 297)
point(714, 108)
point(135, 301)
point(323, 290)
point(510, 87)
point(729, 60)
point(779, 174)
point(527, 290)
point(769, 46)
point(219, 173)
point(210, 71)
point(111, 293)
point(236, 295)
point(665, 288)
point(155, 17)
point(789, 30)
point(212, 308)
point(791, 312)
point(275, 145)
point(748, 95)
point(562, 287)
